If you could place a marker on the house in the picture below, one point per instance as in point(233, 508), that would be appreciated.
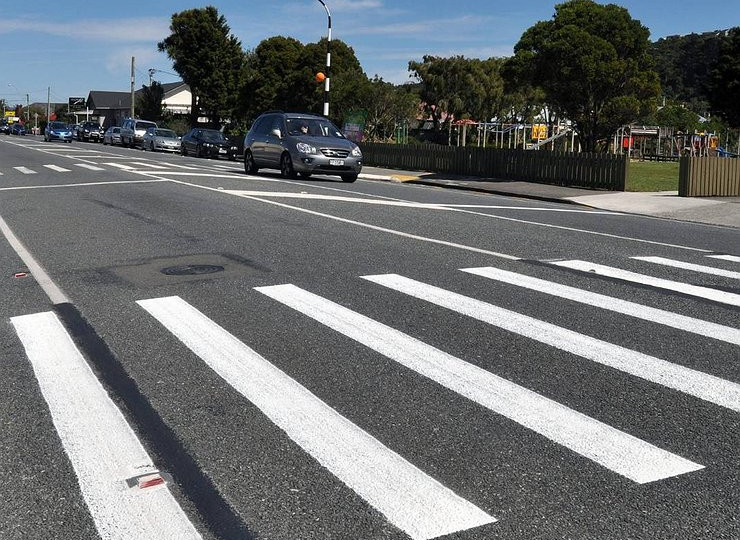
point(110, 108)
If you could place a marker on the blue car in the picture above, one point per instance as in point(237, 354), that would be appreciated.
point(58, 131)
point(17, 129)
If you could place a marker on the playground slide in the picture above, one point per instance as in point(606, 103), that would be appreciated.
point(724, 153)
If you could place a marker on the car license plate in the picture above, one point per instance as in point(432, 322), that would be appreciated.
point(336, 162)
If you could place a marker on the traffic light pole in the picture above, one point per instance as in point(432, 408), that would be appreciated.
point(328, 62)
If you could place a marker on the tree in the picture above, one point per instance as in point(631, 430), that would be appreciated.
point(387, 105)
point(725, 95)
point(592, 62)
point(208, 58)
point(149, 103)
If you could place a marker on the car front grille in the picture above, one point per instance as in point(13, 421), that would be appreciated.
point(335, 152)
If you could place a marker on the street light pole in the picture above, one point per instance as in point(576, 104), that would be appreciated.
point(328, 62)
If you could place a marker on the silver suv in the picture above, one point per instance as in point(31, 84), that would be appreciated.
point(301, 144)
point(132, 131)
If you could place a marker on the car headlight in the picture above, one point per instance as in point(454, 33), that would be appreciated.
point(356, 151)
point(304, 148)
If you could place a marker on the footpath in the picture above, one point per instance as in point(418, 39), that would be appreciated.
point(723, 211)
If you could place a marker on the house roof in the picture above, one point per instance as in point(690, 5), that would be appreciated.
point(102, 99)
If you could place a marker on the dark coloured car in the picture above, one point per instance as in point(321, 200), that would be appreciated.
point(57, 131)
point(300, 144)
point(5, 127)
point(90, 132)
point(236, 147)
point(18, 129)
point(201, 142)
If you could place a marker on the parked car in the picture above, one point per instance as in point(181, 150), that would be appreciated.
point(57, 131)
point(90, 131)
point(300, 144)
point(18, 129)
point(5, 127)
point(205, 143)
point(112, 135)
point(160, 139)
point(133, 130)
point(236, 147)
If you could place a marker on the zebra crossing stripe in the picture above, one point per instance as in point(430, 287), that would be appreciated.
point(24, 170)
point(731, 258)
point(120, 166)
point(610, 303)
point(102, 447)
point(616, 450)
point(692, 382)
point(633, 277)
point(90, 167)
point(410, 499)
point(56, 168)
point(689, 266)
point(149, 165)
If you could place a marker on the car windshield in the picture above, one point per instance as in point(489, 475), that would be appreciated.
point(57, 125)
point(168, 133)
point(145, 125)
point(315, 127)
point(213, 135)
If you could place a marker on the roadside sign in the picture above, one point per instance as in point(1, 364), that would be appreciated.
point(76, 103)
point(539, 131)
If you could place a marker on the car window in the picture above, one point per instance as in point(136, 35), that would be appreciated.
point(266, 125)
point(276, 124)
point(213, 135)
point(165, 133)
point(316, 127)
point(145, 125)
point(57, 125)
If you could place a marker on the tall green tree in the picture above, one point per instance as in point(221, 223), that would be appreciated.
point(208, 58)
point(725, 88)
point(593, 64)
point(149, 103)
point(387, 105)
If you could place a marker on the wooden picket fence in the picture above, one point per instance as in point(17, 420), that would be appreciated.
point(587, 170)
point(709, 177)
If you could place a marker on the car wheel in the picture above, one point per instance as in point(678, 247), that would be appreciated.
point(184, 150)
point(349, 178)
point(305, 174)
point(250, 166)
point(198, 151)
point(286, 166)
point(152, 148)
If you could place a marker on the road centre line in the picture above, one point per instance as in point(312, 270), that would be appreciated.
point(611, 303)
point(410, 499)
point(617, 273)
point(85, 184)
point(100, 444)
point(613, 449)
point(656, 370)
point(689, 266)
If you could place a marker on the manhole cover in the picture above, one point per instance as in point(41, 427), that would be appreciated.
point(192, 269)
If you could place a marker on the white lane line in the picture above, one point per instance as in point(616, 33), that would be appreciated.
point(102, 447)
point(84, 184)
point(56, 168)
point(335, 198)
point(617, 451)
point(695, 383)
point(689, 266)
point(731, 258)
point(182, 166)
point(51, 289)
point(534, 208)
point(633, 277)
point(413, 501)
point(88, 166)
point(611, 303)
point(120, 166)
point(149, 165)
point(24, 170)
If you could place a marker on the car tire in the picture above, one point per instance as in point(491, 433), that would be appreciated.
point(250, 166)
point(184, 150)
point(152, 147)
point(286, 166)
point(305, 175)
point(349, 178)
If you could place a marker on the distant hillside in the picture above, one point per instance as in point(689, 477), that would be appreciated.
point(685, 65)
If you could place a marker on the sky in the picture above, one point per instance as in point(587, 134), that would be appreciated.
point(76, 46)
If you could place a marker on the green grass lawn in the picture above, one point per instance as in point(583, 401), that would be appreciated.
point(652, 176)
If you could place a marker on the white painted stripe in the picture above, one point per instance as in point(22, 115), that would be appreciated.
point(84, 184)
point(689, 266)
point(24, 170)
point(611, 303)
point(692, 382)
point(101, 446)
point(184, 167)
point(120, 166)
point(414, 502)
point(534, 208)
point(335, 198)
point(149, 165)
point(611, 448)
point(1, 174)
point(88, 166)
point(731, 258)
point(624, 275)
point(56, 168)
point(51, 289)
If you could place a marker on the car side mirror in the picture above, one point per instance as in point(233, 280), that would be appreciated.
point(277, 133)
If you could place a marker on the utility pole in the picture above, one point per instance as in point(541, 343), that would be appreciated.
point(133, 83)
point(48, 103)
point(28, 110)
point(328, 60)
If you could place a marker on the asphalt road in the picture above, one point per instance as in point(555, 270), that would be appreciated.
point(303, 390)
